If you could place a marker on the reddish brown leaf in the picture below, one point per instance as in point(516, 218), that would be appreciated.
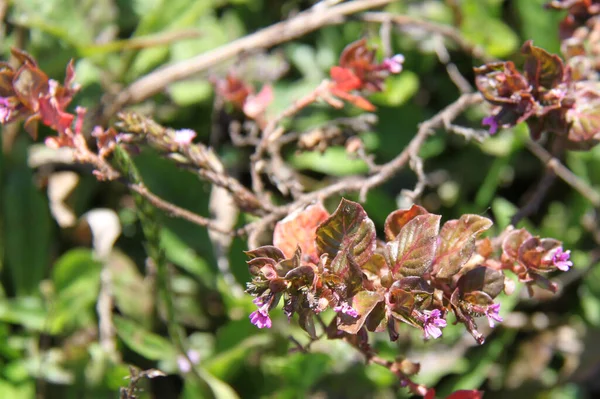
point(542, 69)
point(457, 243)
point(413, 250)
point(349, 228)
point(512, 242)
point(397, 219)
point(363, 302)
point(29, 83)
point(534, 251)
point(300, 229)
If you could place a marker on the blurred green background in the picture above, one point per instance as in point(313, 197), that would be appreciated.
point(50, 278)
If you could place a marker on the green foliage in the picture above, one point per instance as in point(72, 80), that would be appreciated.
point(51, 276)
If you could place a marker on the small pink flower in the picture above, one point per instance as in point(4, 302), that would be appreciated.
point(184, 136)
point(492, 313)
point(6, 110)
point(560, 259)
point(432, 323)
point(394, 64)
point(260, 318)
point(184, 364)
point(491, 122)
point(346, 309)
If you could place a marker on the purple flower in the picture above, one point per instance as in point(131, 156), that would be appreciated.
point(184, 364)
point(184, 136)
point(491, 122)
point(432, 321)
point(492, 313)
point(394, 64)
point(345, 308)
point(560, 259)
point(260, 318)
point(6, 110)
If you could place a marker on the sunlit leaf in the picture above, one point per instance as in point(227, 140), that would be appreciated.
point(300, 229)
point(457, 243)
point(413, 250)
point(363, 302)
point(348, 228)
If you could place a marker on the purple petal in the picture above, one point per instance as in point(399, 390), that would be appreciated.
point(432, 322)
point(346, 309)
point(561, 259)
point(260, 320)
point(6, 110)
point(492, 313)
point(432, 331)
point(394, 64)
point(491, 122)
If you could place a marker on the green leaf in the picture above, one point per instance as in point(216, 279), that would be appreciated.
point(143, 342)
point(363, 302)
point(185, 257)
point(72, 265)
point(26, 311)
point(536, 24)
point(226, 364)
point(132, 293)
point(190, 92)
point(413, 250)
point(335, 161)
point(457, 243)
point(398, 89)
point(348, 228)
point(76, 276)
point(27, 227)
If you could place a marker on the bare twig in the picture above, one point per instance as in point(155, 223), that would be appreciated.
point(564, 173)
point(174, 210)
point(303, 23)
point(364, 184)
point(445, 30)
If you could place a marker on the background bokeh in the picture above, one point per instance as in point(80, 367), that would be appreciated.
point(547, 347)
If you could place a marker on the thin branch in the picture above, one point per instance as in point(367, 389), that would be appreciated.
point(303, 23)
point(445, 30)
point(174, 210)
point(564, 173)
point(364, 184)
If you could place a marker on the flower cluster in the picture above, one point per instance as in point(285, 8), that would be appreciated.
point(27, 93)
point(357, 71)
point(416, 277)
point(546, 96)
